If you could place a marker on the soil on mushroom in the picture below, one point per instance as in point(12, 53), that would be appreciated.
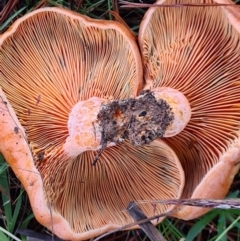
point(140, 120)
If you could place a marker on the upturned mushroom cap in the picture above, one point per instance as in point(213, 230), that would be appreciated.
point(196, 50)
point(51, 60)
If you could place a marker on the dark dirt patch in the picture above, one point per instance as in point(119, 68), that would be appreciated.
point(140, 120)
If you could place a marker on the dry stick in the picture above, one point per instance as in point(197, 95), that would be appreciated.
point(135, 223)
point(206, 203)
point(127, 4)
point(148, 228)
point(231, 203)
point(7, 8)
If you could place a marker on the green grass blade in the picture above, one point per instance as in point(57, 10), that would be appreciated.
point(86, 10)
point(3, 237)
point(9, 234)
point(169, 227)
point(7, 206)
point(25, 224)
point(233, 194)
point(227, 229)
point(6, 23)
point(17, 210)
point(232, 219)
point(221, 226)
point(27, 220)
point(200, 225)
point(3, 166)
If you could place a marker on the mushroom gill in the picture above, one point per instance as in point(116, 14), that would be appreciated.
point(123, 173)
point(196, 51)
point(51, 60)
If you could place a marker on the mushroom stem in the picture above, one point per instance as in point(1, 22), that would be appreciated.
point(179, 106)
point(97, 123)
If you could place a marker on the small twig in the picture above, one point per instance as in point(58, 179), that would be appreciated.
point(126, 4)
point(115, 6)
point(204, 203)
point(135, 223)
point(148, 228)
point(7, 8)
point(79, 3)
point(98, 155)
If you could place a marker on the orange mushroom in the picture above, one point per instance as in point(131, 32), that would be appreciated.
point(196, 50)
point(57, 69)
